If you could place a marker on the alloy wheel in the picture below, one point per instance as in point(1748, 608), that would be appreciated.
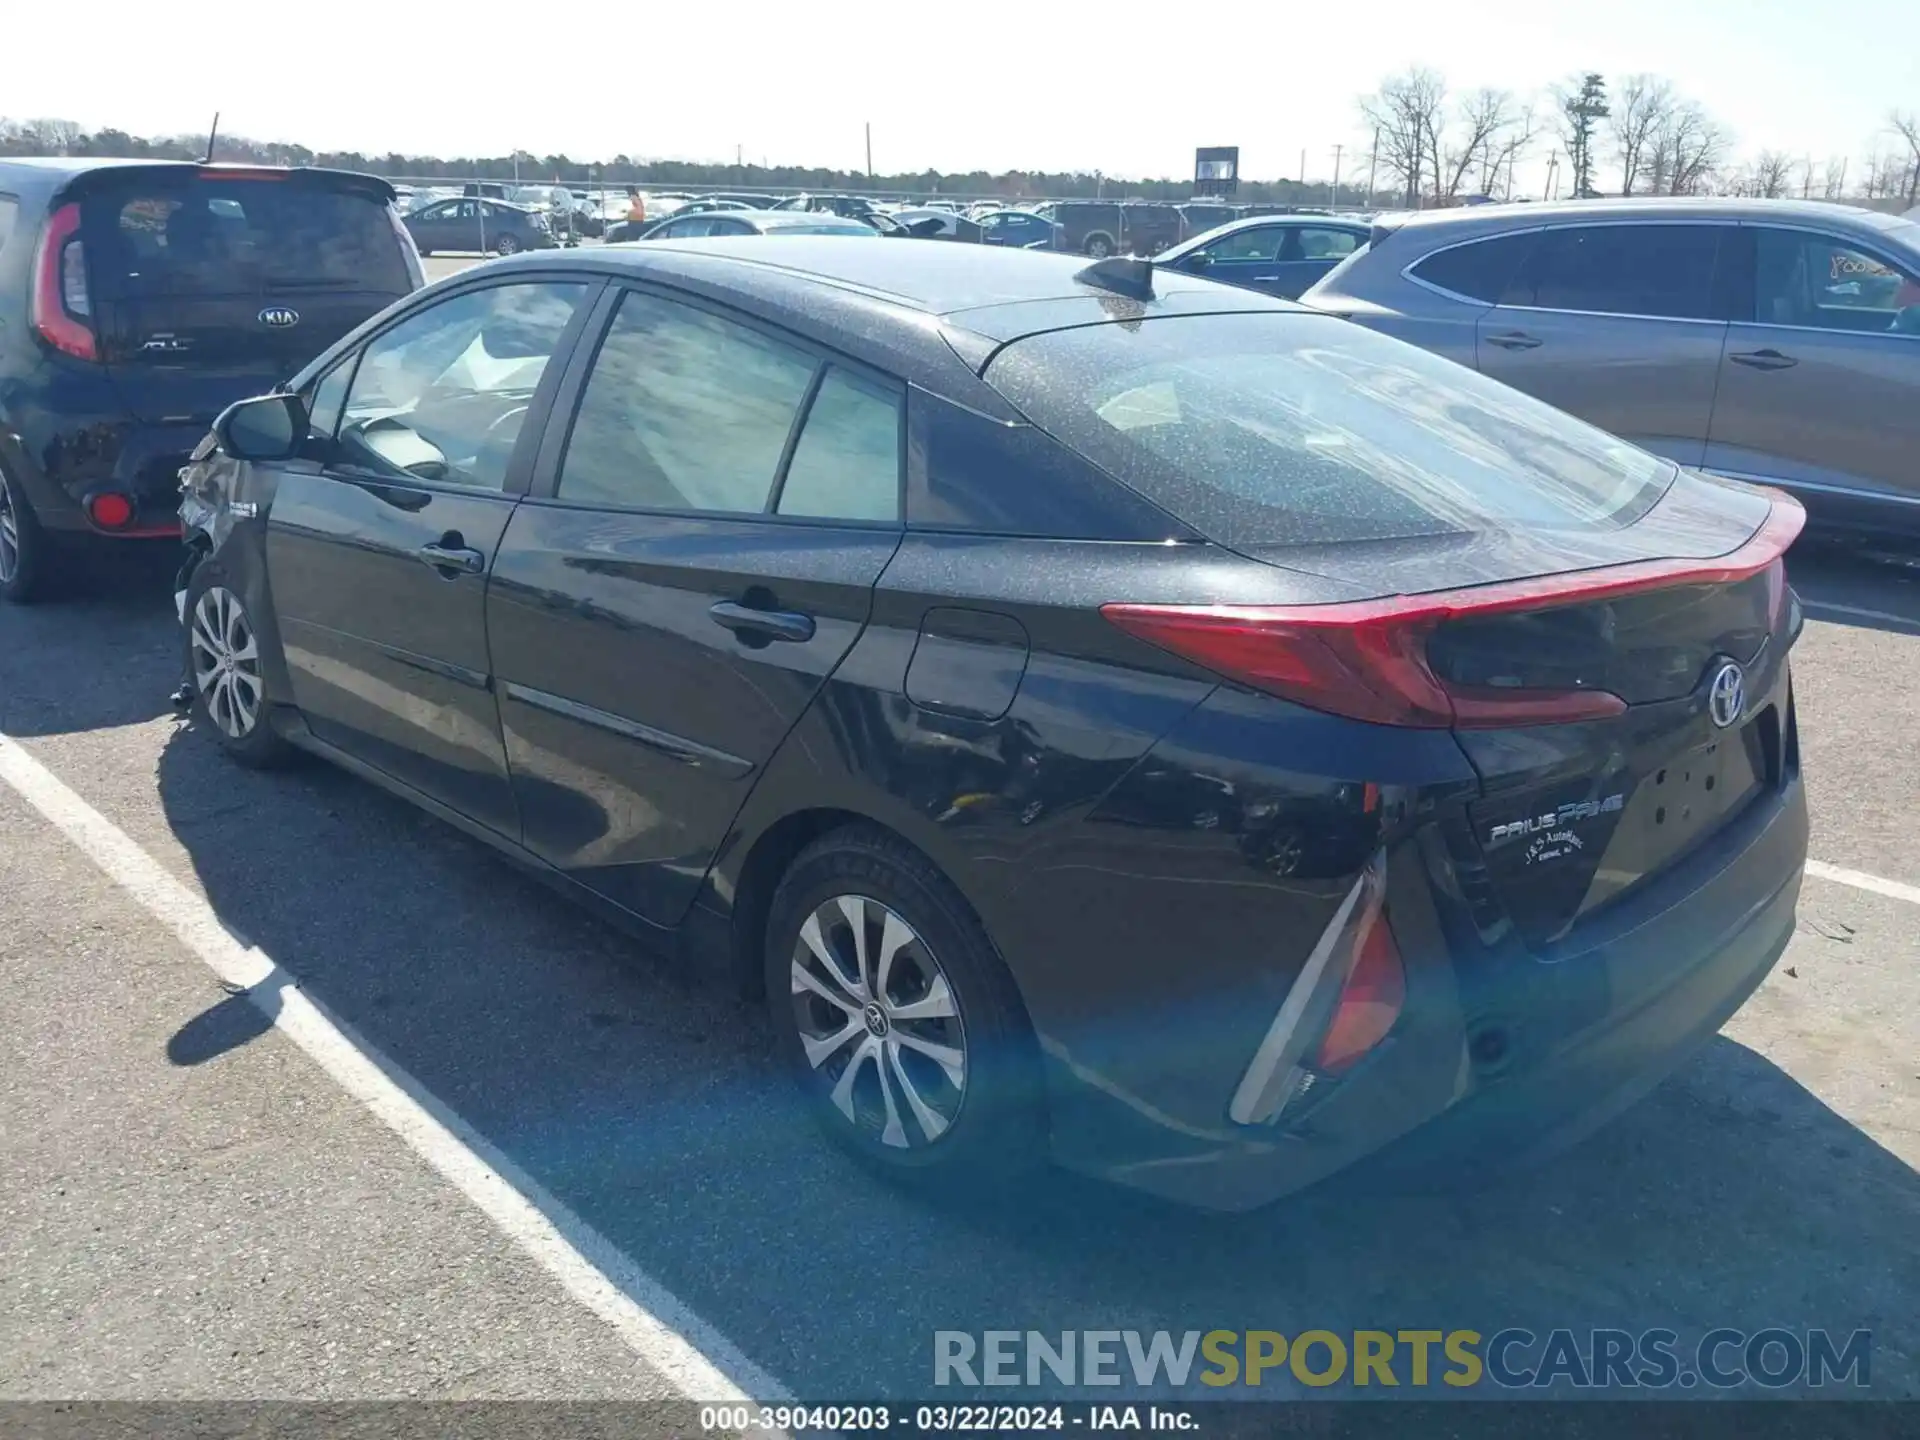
point(506, 245)
point(226, 662)
point(878, 1022)
point(9, 535)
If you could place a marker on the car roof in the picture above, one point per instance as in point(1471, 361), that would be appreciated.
point(63, 170)
point(1634, 207)
point(932, 314)
point(781, 219)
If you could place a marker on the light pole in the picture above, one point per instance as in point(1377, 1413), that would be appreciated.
point(1334, 203)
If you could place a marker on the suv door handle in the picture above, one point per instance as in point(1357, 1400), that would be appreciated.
point(1514, 340)
point(1764, 360)
point(762, 625)
point(451, 558)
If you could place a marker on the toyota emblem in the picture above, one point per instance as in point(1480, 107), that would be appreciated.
point(1727, 699)
point(279, 317)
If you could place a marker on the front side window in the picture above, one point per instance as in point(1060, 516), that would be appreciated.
point(684, 410)
point(1259, 243)
point(1816, 281)
point(325, 397)
point(846, 465)
point(1664, 271)
point(9, 212)
point(442, 395)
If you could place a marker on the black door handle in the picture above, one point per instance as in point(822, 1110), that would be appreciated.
point(451, 558)
point(1514, 340)
point(762, 625)
point(1764, 360)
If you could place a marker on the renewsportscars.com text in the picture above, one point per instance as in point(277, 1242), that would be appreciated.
point(1609, 1359)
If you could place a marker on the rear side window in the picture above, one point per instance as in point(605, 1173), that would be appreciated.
point(846, 465)
point(231, 236)
point(1480, 269)
point(9, 213)
point(684, 410)
point(1658, 270)
point(1290, 429)
point(1317, 243)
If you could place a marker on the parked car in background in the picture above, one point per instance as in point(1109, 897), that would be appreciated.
point(928, 223)
point(1281, 256)
point(854, 615)
point(699, 224)
point(1099, 228)
point(479, 227)
point(851, 207)
point(137, 301)
point(1018, 229)
point(1771, 340)
point(486, 189)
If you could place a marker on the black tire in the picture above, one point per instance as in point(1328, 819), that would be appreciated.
point(25, 548)
point(210, 594)
point(994, 1123)
point(1099, 247)
point(506, 245)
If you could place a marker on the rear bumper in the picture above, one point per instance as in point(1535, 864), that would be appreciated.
point(1438, 1099)
point(139, 461)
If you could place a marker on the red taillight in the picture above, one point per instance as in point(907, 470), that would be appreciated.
point(1366, 659)
point(62, 310)
point(110, 511)
point(1369, 1002)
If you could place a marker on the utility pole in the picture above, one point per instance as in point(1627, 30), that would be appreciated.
point(1334, 203)
point(869, 152)
point(1373, 166)
point(1303, 165)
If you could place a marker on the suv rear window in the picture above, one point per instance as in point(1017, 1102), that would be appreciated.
point(1266, 429)
point(217, 236)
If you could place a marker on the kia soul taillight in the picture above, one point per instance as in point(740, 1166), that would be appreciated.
point(1580, 645)
point(61, 311)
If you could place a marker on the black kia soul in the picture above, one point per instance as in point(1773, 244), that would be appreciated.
point(137, 300)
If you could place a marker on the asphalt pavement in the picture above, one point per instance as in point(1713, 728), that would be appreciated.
point(191, 1205)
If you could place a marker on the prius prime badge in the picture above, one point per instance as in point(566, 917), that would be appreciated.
point(279, 317)
point(1728, 697)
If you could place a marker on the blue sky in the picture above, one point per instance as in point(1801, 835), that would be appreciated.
point(988, 83)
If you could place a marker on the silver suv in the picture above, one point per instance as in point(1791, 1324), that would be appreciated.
point(1770, 340)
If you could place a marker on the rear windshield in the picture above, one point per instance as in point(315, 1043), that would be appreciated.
point(227, 237)
point(1265, 429)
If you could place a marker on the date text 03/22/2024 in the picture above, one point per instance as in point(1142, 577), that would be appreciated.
point(940, 1419)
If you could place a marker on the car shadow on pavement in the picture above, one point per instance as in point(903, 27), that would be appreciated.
point(119, 606)
point(1843, 583)
point(646, 1099)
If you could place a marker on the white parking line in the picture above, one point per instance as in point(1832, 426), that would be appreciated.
point(1815, 607)
point(1861, 880)
point(663, 1332)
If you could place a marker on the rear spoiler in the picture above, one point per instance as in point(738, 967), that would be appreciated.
point(167, 172)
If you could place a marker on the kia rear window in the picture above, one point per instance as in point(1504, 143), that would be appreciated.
point(1268, 429)
point(240, 237)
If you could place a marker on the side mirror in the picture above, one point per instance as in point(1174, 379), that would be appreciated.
point(268, 427)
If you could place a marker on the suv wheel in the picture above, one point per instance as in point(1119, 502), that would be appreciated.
point(223, 667)
point(897, 1017)
point(1099, 247)
point(23, 547)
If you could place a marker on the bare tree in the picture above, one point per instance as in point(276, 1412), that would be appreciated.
point(1833, 181)
point(1906, 124)
point(1772, 174)
point(1490, 127)
point(1640, 106)
point(1408, 113)
point(1685, 151)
